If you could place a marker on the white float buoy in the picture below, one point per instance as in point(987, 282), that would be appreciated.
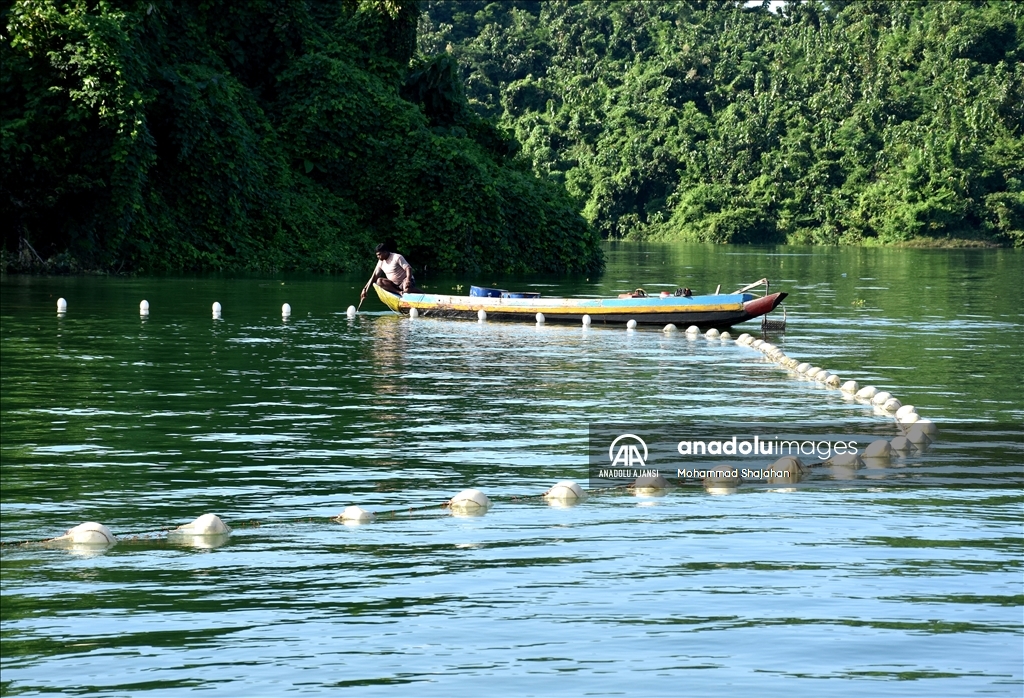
point(631, 325)
point(891, 405)
point(692, 329)
point(802, 368)
point(469, 500)
point(743, 338)
point(787, 469)
point(902, 444)
point(205, 525)
point(216, 310)
point(62, 305)
point(846, 460)
point(907, 418)
point(867, 392)
point(822, 376)
point(88, 533)
point(918, 435)
point(850, 387)
point(927, 426)
point(880, 398)
point(712, 334)
point(481, 315)
point(564, 491)
point(649, 484)
point(414, 313)
point(540, 318)
point(812, 371)
point(833, 381)
point(756, 343)
point(586, 321)
point(350, 311)
point(878, 449)
point(723, 479)
point(905, 409)
point(354, 514)
point(670, 328)
point(725, 335)
point(286, 310)
point(144, 308)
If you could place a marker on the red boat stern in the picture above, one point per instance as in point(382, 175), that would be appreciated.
point(761, 306)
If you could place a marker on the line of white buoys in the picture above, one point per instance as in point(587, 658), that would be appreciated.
point(918, 431)
point(286, 311)
point(216, 308)
point(631, 325)
point(586, 321)
point(481, 315)
point(350, 311)
point(62, 306)
point(414, 313)
point(144, 308)
point(564, 491)
point(540, 318)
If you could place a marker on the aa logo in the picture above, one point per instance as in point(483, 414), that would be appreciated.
point(628, 453)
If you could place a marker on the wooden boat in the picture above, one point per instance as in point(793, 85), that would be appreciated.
point(717, 310)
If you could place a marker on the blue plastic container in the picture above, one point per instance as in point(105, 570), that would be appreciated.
point(520, 294)
point(481, 292)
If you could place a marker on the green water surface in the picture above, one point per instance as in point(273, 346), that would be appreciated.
point(277, 425)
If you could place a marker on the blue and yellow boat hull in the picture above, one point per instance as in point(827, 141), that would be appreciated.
point(704, 311)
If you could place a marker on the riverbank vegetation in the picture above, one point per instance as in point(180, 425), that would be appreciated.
point(829, 122)
point(151, 136)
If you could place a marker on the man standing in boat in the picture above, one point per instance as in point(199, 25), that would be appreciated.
point(392, 273)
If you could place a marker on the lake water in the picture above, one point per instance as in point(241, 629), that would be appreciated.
point(276, 426)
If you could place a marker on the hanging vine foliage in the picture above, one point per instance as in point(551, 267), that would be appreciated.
point(276, 134)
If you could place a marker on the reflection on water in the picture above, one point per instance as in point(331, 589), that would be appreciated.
point(277, 427)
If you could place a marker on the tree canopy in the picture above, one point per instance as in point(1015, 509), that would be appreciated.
point(154, 135)
point(829, 122)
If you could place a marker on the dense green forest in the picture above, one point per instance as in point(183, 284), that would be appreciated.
point(830, 122)
point(148, 136)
